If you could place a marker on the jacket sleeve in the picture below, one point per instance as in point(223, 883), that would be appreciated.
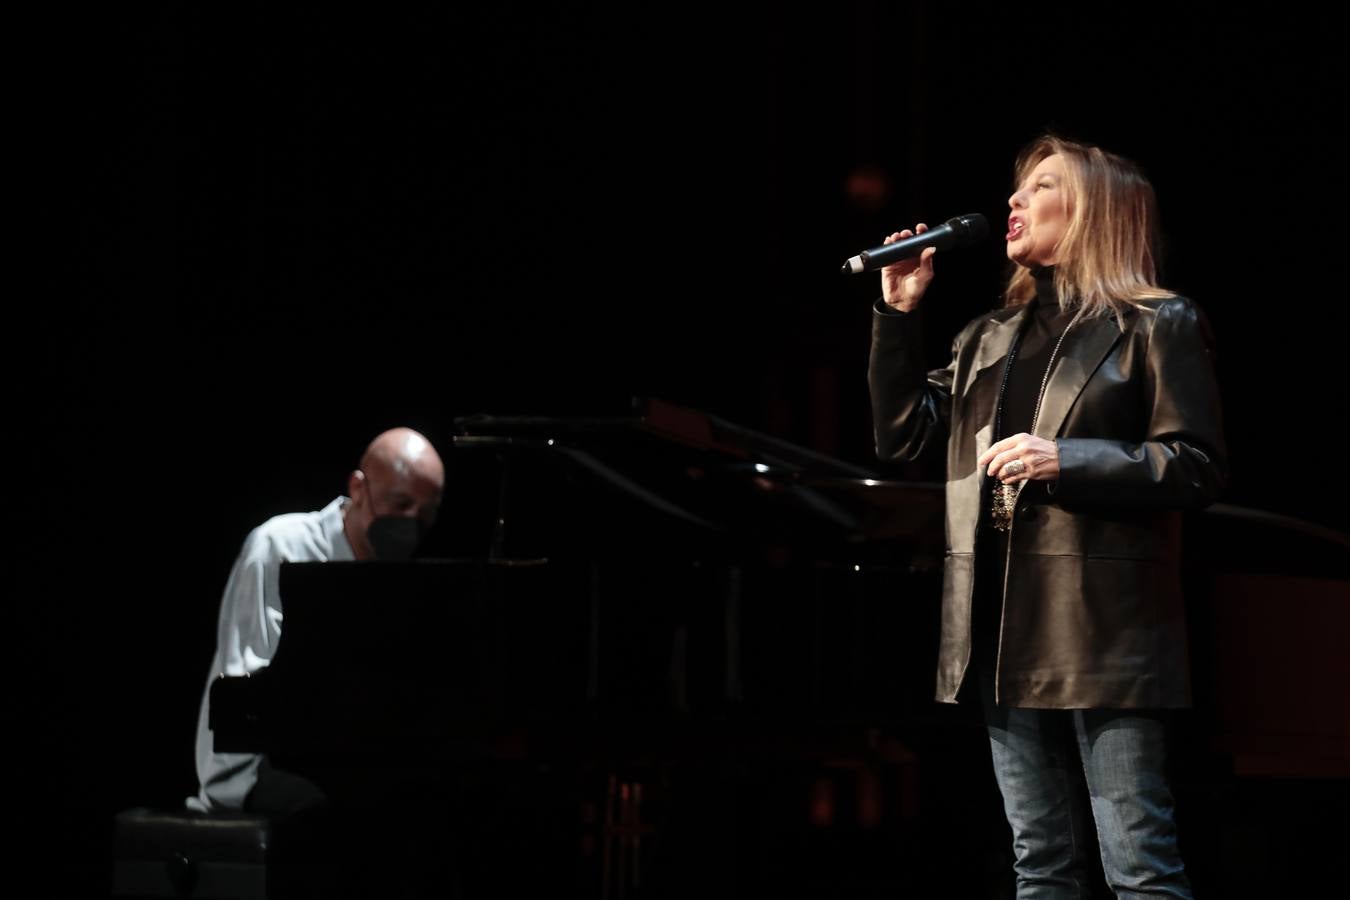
point(1182, 462)
point(911, 407)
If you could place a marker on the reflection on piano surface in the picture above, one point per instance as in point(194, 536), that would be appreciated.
point(670, 585)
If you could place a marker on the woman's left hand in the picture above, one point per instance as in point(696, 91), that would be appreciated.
point(1038, 459)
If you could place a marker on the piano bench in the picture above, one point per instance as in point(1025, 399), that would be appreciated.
point(179, 853)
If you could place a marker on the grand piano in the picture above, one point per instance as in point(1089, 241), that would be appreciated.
point(670, 563)
point(674, 606)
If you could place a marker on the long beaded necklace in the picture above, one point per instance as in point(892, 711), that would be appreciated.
point(1005, 495)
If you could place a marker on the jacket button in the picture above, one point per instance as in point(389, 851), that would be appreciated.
point(1028, 512)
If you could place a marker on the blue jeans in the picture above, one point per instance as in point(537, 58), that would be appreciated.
point(1061, 772)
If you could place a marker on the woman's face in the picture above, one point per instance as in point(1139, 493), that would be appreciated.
point(1039, 215)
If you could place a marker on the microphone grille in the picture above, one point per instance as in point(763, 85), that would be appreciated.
point(969, 228)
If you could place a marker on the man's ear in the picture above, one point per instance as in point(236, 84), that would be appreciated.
point(356, 478)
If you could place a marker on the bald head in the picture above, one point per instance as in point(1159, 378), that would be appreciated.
point(401, 477)
point(403, 453)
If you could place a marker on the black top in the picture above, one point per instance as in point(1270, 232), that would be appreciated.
point(1041, 331)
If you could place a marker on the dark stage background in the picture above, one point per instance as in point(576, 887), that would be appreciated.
point(261, 233)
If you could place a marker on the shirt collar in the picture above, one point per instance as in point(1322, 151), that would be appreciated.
point(1045, 286)
point(330, 520)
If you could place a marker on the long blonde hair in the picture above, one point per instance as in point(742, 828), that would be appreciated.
point(1107, 256)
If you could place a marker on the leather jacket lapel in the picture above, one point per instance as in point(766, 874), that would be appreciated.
point(995, 342)
point(1080, 356)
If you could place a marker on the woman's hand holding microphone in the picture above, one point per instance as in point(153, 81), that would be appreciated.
point(903, 283)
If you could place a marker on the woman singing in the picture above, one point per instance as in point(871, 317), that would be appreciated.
point(1079, 419)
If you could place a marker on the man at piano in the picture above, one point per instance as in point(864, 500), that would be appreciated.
point(393, 499)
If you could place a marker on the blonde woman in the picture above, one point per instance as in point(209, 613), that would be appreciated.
point(1079, 419)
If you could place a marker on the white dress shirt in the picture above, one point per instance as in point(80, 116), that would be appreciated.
point(248, 631)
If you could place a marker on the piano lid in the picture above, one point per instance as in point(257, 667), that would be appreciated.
point(657, 423)
point(670, 478)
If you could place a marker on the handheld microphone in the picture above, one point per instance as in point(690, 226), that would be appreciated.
point(957, 232)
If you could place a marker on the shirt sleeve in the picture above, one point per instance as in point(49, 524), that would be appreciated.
point(250, 610)
point(248, 630)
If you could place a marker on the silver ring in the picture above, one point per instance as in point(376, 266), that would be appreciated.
point(1016, 467)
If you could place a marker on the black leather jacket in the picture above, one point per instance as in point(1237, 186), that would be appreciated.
point(1092, 609)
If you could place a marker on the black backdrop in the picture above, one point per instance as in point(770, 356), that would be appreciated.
point(253, 237)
